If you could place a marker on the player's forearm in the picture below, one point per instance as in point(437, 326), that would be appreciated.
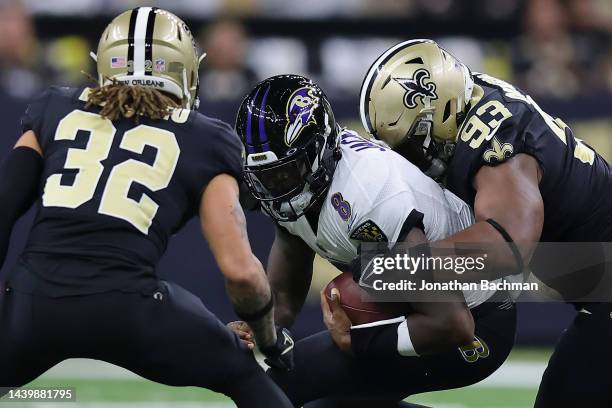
point(224, 225)
point(483, 240)
point(289, 296)
point(433, 334)
point(432, 328)
point(290, 275)
point(286, 309)
point(251, 297)
point(509, 211)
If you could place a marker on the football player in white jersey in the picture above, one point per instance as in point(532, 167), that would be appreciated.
point(328, 190)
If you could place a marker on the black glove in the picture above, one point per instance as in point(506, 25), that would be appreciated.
point(280, 355)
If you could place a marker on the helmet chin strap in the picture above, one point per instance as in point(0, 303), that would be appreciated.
point(297, 204)
point(428, 111)
point(196, 102)
point(186, 93)
point(438, 165)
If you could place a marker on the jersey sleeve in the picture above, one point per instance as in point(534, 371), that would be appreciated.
point(494, 133)
point(389, 221)
point(228, 151)
point(32, 118)
point(217, 151)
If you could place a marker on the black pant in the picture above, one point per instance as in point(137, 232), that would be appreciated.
point(169, 337)
point(333, 378)
point(578, 373)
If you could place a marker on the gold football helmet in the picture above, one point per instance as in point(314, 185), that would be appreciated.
point(149, 46)
point(414, 97)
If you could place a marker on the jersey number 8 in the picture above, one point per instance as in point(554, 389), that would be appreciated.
point(114, 201)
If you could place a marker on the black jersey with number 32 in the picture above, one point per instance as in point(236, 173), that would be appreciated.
point(576, 184)
point(114, 192)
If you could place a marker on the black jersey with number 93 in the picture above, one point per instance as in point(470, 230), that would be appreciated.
point(576, 184)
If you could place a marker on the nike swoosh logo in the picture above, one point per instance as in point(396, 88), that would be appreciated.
point(490, 135)
point(287, 341)
point(364, 277)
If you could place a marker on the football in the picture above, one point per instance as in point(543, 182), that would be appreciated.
point(354, 301)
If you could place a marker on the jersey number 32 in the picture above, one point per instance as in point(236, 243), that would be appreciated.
point(114, 201)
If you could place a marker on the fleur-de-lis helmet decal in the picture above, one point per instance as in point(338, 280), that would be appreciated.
point(415, 97)
point(417, 87)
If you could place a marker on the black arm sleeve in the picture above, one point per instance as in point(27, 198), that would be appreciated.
point(19, 182)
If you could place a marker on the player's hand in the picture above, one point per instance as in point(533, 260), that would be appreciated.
point(244, 332)
point(280, 355)
point(336, 320)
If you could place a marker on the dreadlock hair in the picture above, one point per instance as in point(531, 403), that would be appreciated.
point(119, 101)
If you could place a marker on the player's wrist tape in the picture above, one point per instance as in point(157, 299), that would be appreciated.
point(404, 343)
point(383, 338)
point(251, 317)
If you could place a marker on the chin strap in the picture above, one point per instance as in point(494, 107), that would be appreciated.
point(297, 204)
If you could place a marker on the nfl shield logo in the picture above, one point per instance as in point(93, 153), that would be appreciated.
point(118, 62)
point(160, 65)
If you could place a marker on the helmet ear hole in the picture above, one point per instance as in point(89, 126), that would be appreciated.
point(417, 60)
point(447, 111)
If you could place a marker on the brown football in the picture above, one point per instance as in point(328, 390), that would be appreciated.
point(354, 301)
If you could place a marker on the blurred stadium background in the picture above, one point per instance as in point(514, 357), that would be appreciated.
point(560, 51)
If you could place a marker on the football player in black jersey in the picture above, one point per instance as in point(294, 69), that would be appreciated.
point(121, 167)
point(527, 177)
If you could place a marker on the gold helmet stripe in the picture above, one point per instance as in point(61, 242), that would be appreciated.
point(366, 86)
point(140, 35)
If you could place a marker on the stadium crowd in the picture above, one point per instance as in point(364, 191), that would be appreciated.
point(574, 35)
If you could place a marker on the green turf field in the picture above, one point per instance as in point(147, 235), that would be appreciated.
point(102, 386)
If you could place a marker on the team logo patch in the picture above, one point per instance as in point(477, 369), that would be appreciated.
point(498, 152)
point(300, 112)
point(478, 349)
point(341, 206)
point(416, 87)
point(118, 62)
point(368, 231)
point(160, 65)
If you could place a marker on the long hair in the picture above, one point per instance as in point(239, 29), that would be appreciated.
point(119, 101)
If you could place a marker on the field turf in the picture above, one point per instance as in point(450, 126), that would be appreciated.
point(99, 385)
